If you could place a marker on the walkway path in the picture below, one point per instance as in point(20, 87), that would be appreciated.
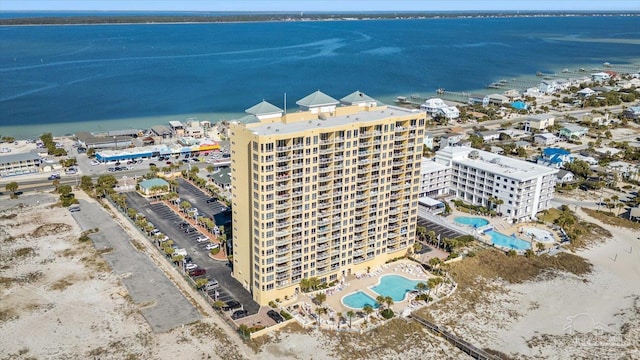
point(458, 342)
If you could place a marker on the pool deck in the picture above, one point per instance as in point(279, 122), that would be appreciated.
point(363, 282)
point(500, 225)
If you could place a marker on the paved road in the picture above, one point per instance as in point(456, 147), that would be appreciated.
point(165, 220)
point(143, 279)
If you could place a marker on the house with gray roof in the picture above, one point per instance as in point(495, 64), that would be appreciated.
point(569, 131)
point(564, 176)
point(19, 164)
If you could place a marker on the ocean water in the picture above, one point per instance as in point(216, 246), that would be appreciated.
point(101, 77)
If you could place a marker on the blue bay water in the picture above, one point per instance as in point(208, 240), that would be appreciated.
point(101, 77)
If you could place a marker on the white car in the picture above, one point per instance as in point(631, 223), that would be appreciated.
point(202, 239)
point(211, 246)
point(95, 162)
point(190, 266)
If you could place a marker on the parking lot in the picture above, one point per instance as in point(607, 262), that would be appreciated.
point(198, 199)
point(144, 281)
point(168, 222)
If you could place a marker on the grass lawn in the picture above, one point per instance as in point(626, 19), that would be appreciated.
point(551, 216)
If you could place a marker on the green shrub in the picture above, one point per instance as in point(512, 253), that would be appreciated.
point(272, 304)
point(285, 315)
point(215, 251)
point(387, 313)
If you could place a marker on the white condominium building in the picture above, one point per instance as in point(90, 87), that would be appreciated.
point(518, 189)
point(435, 179)
point(322, 192)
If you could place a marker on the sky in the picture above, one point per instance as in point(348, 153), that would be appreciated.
point(318, 5)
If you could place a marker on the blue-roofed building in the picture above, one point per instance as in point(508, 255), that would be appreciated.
point(555, 157)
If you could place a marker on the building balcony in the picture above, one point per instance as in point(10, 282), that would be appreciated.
point(283, 233)
point(325, 151)
point(283, 206)
point(364, 135)
point(326, 141)
point(283, 148)
point(283, 196)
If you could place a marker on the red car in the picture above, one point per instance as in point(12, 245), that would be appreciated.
point(197, 272)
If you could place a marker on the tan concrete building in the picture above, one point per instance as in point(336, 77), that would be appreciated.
point(323, 192)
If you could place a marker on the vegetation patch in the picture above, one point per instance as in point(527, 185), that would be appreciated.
point(48, 229)
point(492, 264)
point(137, 245)
point(62, 284)
point(23, 252)
point(611, 219)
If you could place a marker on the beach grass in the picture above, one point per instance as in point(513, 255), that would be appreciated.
point(610, 218)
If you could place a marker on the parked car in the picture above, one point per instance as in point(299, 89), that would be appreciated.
point(190, 266)
point(202, 239)
point(74, 208)
point(212, 246)
point(189, 230)
point(54, 177)
point(275, 316)
point(231, 305)
point(152, 164)
point(239, 314)
point(211, 285)
point(95, 162)
point(183, 225)
point(211, 199)
point(197, 272)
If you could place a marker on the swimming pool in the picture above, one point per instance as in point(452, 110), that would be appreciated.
point(509, 242)
point(476, 222)
point(358, 300)
point(395, 286)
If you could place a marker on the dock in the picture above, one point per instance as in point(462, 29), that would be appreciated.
point(461, 344)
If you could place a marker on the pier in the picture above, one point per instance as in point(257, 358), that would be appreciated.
point(461, 344)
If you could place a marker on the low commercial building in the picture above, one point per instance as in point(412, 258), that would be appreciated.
point(177, 127)
point(522, 189)
point(104, 141)
point(222, 178)
point(19, 164)
point(153, 187)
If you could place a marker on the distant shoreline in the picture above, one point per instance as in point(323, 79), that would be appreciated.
point(279, 17)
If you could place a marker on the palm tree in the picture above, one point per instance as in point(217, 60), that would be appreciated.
point(498, 203)
point(320, 298)
point(540, 246)
point(619, 206)
point(338, 318)
point(389, 301)
point(368, 309)
point(421, 287)
point(380, 301)
point(350, 315)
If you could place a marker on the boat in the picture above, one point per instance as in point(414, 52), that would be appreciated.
point(402, 100)
point(565, 70)
point(493, 86)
